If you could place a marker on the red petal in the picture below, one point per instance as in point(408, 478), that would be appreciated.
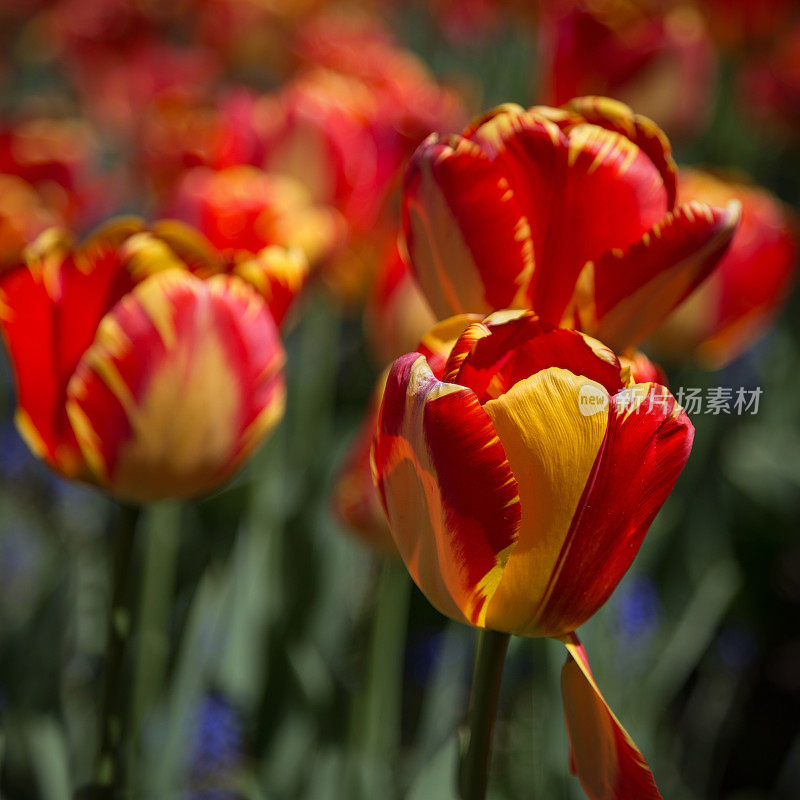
point(464, 232)
point(603, 756)
point(636, 289)
point(582, 192)
point(616, 116)
point(447, 488)
point(493, 355)
point(647, 443)
point(50, 311)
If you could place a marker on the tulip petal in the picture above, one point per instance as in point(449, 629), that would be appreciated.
point(183, 379)
point(446, 487)
point(582, 192)
point(49, 311)
point(438, 342)
point(278, 275)
point(604, 757)
point(552, 448)
point(646, 445)
point(616, 116)
point(636, 289)
point(508, 346)
point(464, 233)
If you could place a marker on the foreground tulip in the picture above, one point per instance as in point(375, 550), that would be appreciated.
point(140, 366)
point(736, 305)
point(568, 211)
point(518, 488)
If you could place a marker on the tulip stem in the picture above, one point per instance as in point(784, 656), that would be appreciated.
point(114, 705)
point(490, 654)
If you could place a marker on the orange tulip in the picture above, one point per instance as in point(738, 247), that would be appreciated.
point(568, 211)
point(518, 488)
point(140, 365)
point(735, 306)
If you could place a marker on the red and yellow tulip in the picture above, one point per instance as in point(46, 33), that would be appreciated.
point(571, 212)
point(519, 485)
point(142, 364)
point(735, 306)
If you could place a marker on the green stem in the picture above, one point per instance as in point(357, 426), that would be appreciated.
point(385, 676)
point(114, 706)
point(490, 654)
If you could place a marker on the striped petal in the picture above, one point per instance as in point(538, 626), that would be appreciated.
point(49, 312)
point(437, 344)
point(183, 379)
point(643, 132)
point(646, 444)
point(278, 275)
point(582, 191)
point(446, 487)
point(625, 295)
point(730, 311)
point(508, 346)
point(552, 448)
point(605, 759)
point(464, 232)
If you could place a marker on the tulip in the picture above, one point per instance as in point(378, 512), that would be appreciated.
point(518, 488)
point(658, 59)
point(737, 304)
point(140, 365)
point(242, 210)
point(180, 131)
point(23, 216)
point(396, 314)
point(770, 85)
point(567, 211)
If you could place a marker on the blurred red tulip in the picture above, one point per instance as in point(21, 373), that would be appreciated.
point(57, 157)
point(139, 365)
point(396, 314)
point(770, 84)
point(734, 307)
point(656, 57)
point(117, 86)
point(181, 131)
point(519, 487)
point(23, 216)
point(738, 24)
point(243, 210)
point(346, 125)
point(568, 211)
